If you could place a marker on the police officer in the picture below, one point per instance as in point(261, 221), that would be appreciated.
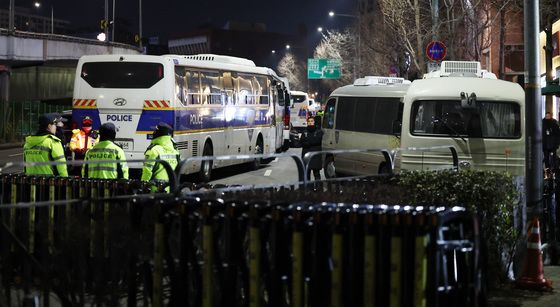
point(106, 149)
point(162, 147)
point(44, 146)
point(550, 140)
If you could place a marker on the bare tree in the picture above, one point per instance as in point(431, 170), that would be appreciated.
point(340, 46)
point(410, 23)
point(293, 69)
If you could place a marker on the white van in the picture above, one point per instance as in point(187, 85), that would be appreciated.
point(463, 106)
point(363, 115)
point(459, 106)
point(299, 108)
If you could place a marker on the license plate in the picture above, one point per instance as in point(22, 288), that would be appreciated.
point(126, 145)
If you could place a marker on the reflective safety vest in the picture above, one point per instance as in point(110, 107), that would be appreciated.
point(82, 140)
point(114, 165)
point(44, 148)
point(161, 148)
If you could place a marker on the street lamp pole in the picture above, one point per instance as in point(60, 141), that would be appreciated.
point(140, 23)
point(11, 16)
point(52, 20)
point(113, 27)
point(358, 47)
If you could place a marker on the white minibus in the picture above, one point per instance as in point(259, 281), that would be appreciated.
point(463, 106)
point(363, 115)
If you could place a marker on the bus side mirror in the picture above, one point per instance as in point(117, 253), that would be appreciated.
point(397, 126)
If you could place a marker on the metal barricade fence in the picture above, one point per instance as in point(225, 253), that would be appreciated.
point(113, 242)
point(164, 250)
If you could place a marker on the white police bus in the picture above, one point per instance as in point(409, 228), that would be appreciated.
point(217, 105)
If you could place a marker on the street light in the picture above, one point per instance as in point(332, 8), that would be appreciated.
point(37, 4)
point(358, 51)
point(101, 36)
point(320, 29)
point(288, 47)
point(273, 51)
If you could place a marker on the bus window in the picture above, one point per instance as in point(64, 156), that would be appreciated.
point(211, 84)
point(328, 120)
point(245, 89)
point(193, 86)
point(365, 114)
point(492, 119)
point(345, 113)
point(121, 74)
point(261, 85)
point(180, 88)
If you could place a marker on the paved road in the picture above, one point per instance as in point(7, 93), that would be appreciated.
point(11, 155)
point(280, 170)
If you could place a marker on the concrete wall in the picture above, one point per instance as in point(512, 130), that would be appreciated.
point(14, 48)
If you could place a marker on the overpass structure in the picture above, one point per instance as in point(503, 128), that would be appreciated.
point(37, 66)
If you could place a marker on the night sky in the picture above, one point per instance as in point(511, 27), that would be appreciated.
point(165, 18)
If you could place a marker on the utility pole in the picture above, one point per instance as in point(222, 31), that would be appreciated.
point(435, 20)
point(548, 59)
point(533, 109)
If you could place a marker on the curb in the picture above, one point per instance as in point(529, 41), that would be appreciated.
point(10, 145)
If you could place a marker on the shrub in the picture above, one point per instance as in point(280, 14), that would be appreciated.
point(489, 195)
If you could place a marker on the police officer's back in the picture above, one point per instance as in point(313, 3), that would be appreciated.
point(44, 146)
point(550, 139)
point(115, 166)
point(162, 147)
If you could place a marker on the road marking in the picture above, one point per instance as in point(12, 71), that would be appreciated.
point(275, 160)
point(14, 155)
point(268, 172)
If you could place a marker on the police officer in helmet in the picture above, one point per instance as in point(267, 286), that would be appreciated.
point(44, 146)
point(114, 165)
point(162, 147)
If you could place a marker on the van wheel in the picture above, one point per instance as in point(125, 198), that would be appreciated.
point(383, 168)
point(329, 168)
point(206, 166)
point(259, 149)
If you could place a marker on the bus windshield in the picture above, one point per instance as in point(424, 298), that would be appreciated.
point(298, 98)
point(122, 74)
point(491, 119)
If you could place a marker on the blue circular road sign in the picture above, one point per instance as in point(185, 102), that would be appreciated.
point(436, 51)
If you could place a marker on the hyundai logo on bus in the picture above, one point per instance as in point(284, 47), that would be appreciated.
point(119, 102)
point(119, 117)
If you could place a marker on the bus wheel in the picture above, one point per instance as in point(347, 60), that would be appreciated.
point(259, 149)
point(206, 166)
point(329, 169)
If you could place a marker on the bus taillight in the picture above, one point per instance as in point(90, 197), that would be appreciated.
point(286, 119)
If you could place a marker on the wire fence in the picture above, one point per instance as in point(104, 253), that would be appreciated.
point(19, 118)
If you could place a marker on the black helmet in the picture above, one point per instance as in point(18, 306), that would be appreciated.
point(162, 129)
point(107, 131)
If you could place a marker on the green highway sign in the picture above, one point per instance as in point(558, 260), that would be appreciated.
point(323, 69)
